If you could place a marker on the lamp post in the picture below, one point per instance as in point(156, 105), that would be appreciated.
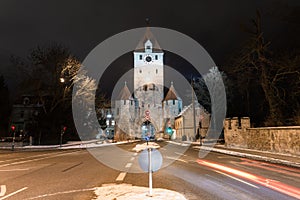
point(63, 81)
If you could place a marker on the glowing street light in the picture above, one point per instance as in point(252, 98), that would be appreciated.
point(62, 80)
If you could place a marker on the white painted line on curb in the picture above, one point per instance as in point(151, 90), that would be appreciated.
point(121, 176)
point(2, 190)
point(11, 194)
point(128, 165)
point(237, 179)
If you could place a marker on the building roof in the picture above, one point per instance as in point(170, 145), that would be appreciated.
point(124, 93)
point(148, 36)
point(172, 94)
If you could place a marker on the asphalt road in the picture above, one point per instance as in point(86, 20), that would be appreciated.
point(73, 174)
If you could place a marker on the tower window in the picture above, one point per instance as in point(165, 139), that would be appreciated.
point(145, 87)
point(124, 102)
point(173, 102)
point(148, 47)
point(141, 57)
point(156, 71)
point(140, 71)
point(156, 57)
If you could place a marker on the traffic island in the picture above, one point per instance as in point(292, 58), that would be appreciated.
point(127, 191)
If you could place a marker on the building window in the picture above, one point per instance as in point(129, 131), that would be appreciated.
point(156, 71)
point(141, 57)
point(173, 101)
point(148, 47)
point(156, 57)
point(140, 71)
point(124, 102)
point(145, 87)
point(118, 111)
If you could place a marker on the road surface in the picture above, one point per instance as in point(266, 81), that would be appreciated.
point(73, 174)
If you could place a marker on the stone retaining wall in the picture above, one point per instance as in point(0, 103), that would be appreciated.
point(237, 133)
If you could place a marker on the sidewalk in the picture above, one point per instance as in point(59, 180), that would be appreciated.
point(272, 157)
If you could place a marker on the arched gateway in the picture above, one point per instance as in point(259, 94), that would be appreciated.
point(147, 129)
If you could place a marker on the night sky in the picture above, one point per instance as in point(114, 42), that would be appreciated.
point(82, 25)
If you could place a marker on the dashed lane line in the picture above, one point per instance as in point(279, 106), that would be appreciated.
point(121, 176)
point(128, 165)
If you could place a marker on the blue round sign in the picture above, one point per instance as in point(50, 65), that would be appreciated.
point(156, 160)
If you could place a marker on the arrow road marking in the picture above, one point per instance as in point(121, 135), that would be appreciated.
point(2, 190)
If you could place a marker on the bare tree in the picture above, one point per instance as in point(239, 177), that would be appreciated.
point(255, 64)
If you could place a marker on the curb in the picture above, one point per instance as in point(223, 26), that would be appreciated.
point(245, 155)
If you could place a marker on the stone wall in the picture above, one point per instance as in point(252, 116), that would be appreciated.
point(237, 133)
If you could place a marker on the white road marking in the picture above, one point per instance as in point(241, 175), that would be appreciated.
point(59, 193)
point(12, 170)
point(180, 154)
point(11, 194)
point(132, 158)
point(37, 159)
point(23, 158)
point(176, 159)
point(128, 165)
point(121, 176)
point(2, 190)
point(237, 179)
point(135, 154)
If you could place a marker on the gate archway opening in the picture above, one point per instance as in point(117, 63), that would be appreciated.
point(147, 130)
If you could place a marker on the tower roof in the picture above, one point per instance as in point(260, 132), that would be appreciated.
point(124, 93)
point(148, 36)
point(172, 94)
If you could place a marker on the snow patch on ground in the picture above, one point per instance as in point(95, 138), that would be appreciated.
point(141, 147)
point(127, 191)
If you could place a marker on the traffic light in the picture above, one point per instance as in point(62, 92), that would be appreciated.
point(13, 128)
point(169, 130)
point(63, 130)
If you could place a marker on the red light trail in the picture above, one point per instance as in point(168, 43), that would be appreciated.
point(272, 184)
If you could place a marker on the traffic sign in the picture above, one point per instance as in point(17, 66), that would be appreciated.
point(156, 160)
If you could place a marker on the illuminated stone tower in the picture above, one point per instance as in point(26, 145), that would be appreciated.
point(149, 84)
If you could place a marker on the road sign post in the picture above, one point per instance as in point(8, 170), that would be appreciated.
point(13, 128)
point(150, 160)
point(150, 172)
